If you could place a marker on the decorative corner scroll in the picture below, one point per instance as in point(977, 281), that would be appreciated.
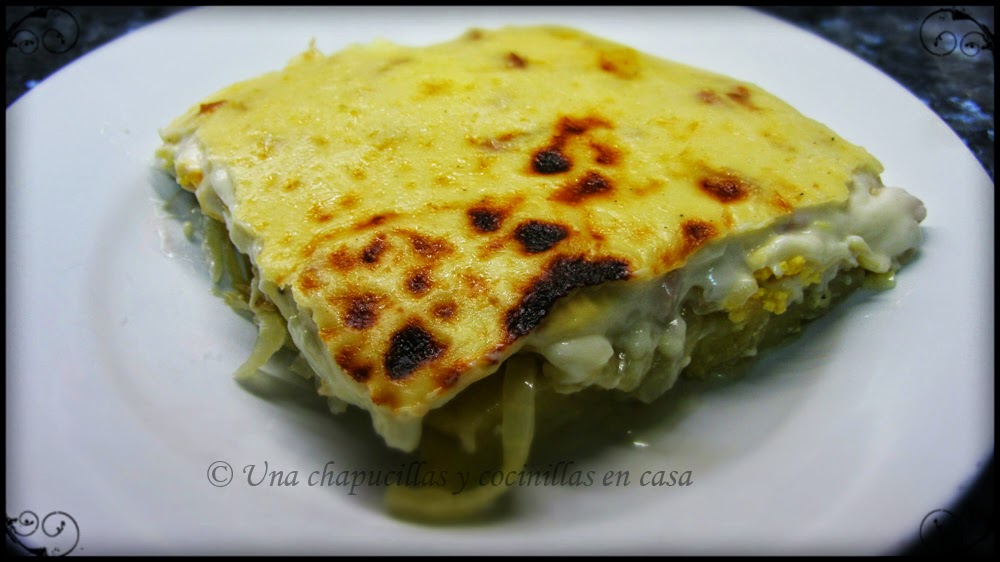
point(59, 535)
point(53, 29)
point(950, 30)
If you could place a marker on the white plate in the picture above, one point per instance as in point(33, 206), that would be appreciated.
point(118, 388)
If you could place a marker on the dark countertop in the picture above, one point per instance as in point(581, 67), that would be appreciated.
point(957, 85)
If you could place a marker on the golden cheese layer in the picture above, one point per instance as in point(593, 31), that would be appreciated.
point(429, 206)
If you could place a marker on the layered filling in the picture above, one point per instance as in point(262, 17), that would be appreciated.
point(707, 319)
point(636, 337)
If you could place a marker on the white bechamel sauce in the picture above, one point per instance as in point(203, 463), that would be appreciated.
point(636, 320)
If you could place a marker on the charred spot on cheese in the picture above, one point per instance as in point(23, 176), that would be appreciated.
point(206, 108)
point(537, 236)
point(741, 95)
point(419, 282)
point(348, 201)
point(475, 284)
point(308, 281)
point(708, 96)
point(428, 247)
point(348, 362)
point(291, 184)
point(725, 188)
point(376, 220)
point(650, 188)
point(550, 160)
point(592, 183)
point(385, 398)
point(409, 348)
point(374, 249)
point(485, 219)
point(604, 154)
point(697, 232)
point(448, 378)
point(622, 62)
point(340, 259)
point(444, 310)
point(561, 275)
point(515, 61)
point(577, 126)
point(597, 236)
point(491, 247)
point(362, 311)
point(781, 204)
point(360, 374)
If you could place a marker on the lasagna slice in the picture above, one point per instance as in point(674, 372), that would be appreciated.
point(443, 231)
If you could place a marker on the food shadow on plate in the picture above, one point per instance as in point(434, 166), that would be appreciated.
point(179, 223)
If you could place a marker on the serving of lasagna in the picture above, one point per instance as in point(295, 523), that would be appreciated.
point(448, 234)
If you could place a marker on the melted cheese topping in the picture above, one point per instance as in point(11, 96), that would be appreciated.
point(416, 212)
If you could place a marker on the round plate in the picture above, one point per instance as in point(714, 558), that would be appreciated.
point(120, 404)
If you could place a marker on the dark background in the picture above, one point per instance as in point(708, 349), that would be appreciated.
point(958, 87)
